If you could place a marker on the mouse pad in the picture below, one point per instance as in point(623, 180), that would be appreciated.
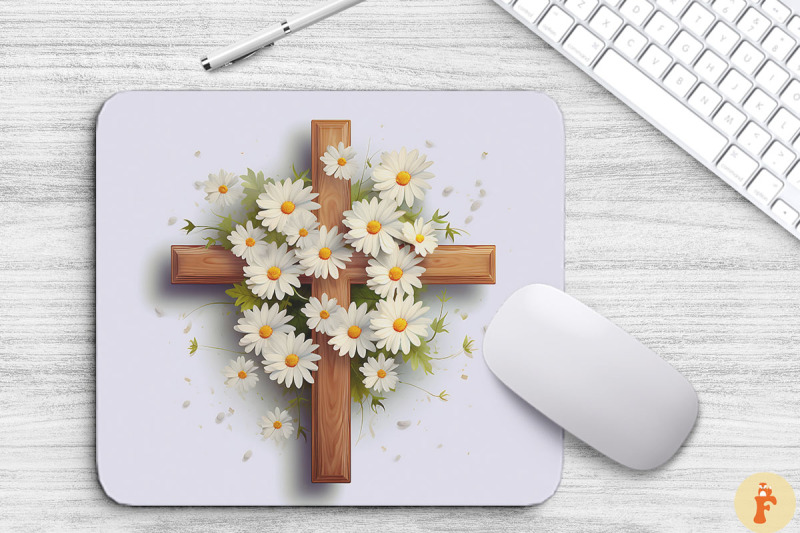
point(232, 230)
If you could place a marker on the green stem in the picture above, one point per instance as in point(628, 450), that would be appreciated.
point(449, 356)
point(206, 305)
point(221, 349)
point(297, 397)
point(441, 310)
point(441, 395)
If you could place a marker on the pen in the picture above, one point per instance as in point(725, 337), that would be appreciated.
point(249, 46)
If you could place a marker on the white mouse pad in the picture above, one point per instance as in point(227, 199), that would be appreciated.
point(181, 419)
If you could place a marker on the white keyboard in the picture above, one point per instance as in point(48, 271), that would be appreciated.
point(718, 77)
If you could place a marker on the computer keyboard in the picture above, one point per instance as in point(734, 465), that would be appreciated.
point(718, 77)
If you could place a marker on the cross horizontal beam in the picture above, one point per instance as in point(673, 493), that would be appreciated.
point(450, 264)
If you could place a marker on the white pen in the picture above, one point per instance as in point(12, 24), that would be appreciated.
point(250, 45)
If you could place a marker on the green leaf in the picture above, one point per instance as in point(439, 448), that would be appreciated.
point(439, 219)
point(358, 391)
point(303, 176)
point(193, 346)
point(420, 355)
point(302, 431)
point(361, 294)
point(438, 325)
point(188, 227)
point(210, 241)
point(410, 215)
point(468, 346)
point(451, 232)
point(376, 402)
point(245, 299)
point(443, 296)
point(252, 185)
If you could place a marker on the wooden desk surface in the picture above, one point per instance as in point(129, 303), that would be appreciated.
point(654, 241)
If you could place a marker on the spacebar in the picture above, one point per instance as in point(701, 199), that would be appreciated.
point(664, 110)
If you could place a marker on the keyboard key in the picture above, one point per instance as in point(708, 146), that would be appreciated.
point(778, 43)
point(728, 9)
point(793, 178)
point(791, 96)
point(729, 119)
point(737, 165)
point(630, 42)
point(661, 28)
point(655, 61)
point(636, 10)
point(673, 7)
point(685, 47)
point(776, 10)
point(555, 23)
point(605, 22)
point(753, 24)
point(679, 80)
point(759, 105)
point(530, 9)
point(704, 100)
point(581, 8)
point(747, 57)
point(583, 45)
point(784, 125)
point(670, 114)
point(735, 86)
point(710, 66)
point(772, 77)
point(765, 187)
point(697, 18)
point(793, 63)
point(794, 26)
point(784, 212)
point(753, 138)
point(722, 38)
point(778, 158)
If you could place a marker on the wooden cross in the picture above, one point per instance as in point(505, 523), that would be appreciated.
point(330, 393)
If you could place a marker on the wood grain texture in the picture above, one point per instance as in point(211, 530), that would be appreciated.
point(330, 393)
point(451, 264)
point(654, 242)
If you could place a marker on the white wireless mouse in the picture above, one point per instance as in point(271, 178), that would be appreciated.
point(590, 377)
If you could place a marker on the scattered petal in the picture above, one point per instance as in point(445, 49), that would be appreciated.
point(464, 377)
point(403, 424)
point(482, 193)
point(447, 191)
point(220, 418)
point(171, 221)
point(247, 455)
point(475, 205)
point(484, 154)
point(468, 219)
point(186, 404)
point(187, 328)
point(159, 312)
point(197, 153)
point(429, 144)
point(187, 380)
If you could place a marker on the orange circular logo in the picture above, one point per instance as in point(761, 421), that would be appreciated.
point(765, 503)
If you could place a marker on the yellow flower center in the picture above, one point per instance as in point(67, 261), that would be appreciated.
point(324, 253)
point(273, 273)
point(373, 227)
point(265, 332)
point(303, 232)
point(250, 241)
point(242, 374)
point(291, 360)
point(222, 189)
point(287, 208)
point(277, 424)
point(342, 161)
point(381, 373)
point(324, 314)
point(420, 237)
point(400, 325)
point(354, 332)
point(395, 273)
point(403, 178)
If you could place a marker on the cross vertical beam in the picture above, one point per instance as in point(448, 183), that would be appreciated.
point(330, 393)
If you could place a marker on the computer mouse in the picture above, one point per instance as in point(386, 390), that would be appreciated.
point(590, 377)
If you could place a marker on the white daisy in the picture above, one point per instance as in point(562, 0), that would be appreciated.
point(241, 374)
point(421, 235)
point(380, 374)
point(291, 359)
point(340, 162)
point(247, 241)
point(351, 333)
point(222, 189)
point(273, 273)
point(399, 323)
point(326, 255)
point(261, 326)
point(284, 201)
point(395, 273)
point(301, 230)
point(321, 313)
point(373, 226)
point(402, 176)
point(277, 424)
